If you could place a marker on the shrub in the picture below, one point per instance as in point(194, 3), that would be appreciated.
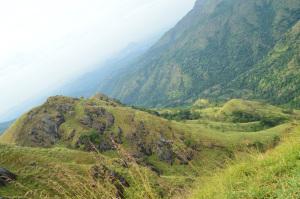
point(181, 115)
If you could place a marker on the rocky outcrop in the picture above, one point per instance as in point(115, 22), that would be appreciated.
point(165, 151)
point(93, 125)
point(63, 105)
point(147, 145)
point(97, 118)
point(101, 138)
point(100, 141)
point(44, 129)
point(40, 127)
point(103, 173)
point(6, 176)
point(141, 140)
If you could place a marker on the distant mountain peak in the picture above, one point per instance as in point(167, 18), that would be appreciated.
point(218, 41)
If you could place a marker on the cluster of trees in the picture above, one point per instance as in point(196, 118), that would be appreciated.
point(179, 115)
point(270, 121)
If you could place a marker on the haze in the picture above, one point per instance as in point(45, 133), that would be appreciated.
point(45, 43)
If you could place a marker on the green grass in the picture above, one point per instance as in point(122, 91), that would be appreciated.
point(64, 173)
point(274, 174)
point(218, 144)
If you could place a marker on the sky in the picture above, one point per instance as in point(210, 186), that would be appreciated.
point(44, 43)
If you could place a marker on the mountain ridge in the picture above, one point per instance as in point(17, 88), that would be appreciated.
point(212, 45)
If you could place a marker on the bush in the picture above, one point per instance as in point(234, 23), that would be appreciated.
point(181, 115)
point(244, 117)
point(271, 121)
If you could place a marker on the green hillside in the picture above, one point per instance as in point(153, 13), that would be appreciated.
point(218, 41)
point(277, 77)
point(99, 148)
point(271, 175)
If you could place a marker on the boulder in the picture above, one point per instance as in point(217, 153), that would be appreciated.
point(6, 176)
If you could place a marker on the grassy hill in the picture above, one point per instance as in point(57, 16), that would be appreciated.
point(274, 174)
point(99, 148)
point(255, 43)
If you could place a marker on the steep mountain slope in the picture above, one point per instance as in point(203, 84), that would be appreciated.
point(99, 148)
point(216, 42)
point(277, 77)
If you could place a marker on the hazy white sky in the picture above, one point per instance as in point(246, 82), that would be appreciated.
point(45, 42)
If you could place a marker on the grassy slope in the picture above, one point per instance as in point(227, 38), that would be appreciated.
point(63, 173)
point(274, 174)
point(66, 173)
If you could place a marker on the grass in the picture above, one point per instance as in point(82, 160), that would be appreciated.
point(56, 172)
point(64, 173)
point(219, 146)
point(274, 174)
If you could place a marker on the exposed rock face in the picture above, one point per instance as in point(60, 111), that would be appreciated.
point(43, 129)
point(97, 118)
point(102, 138)
point(41, 126)
point(99, 141)
point(101, 172)
point(148, 145)
point(165, 151)
point(6, 176)
point(140, 137)
point(61, 104)
point(50, 124)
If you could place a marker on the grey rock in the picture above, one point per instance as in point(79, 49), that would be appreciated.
point(165, 151)
point(6, 176)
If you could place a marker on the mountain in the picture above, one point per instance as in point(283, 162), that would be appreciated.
point(4, 126)
point(215, 46)
point(99, 148)
point(88, 83)
point(98, 123)
point(195, 143)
